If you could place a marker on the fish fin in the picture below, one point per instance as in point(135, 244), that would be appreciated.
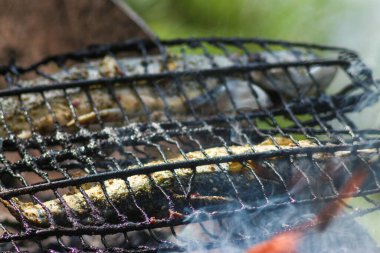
point(6, 203)
point(12, 209)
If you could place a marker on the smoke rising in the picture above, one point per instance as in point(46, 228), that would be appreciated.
point(342, 235)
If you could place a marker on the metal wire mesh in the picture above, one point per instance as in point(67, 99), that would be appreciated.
point(138, 126)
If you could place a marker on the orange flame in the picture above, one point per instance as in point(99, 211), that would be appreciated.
point(288, 242)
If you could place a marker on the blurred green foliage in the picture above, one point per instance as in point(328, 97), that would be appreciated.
point(285, 19)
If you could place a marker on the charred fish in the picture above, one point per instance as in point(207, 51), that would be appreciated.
point(211, 186)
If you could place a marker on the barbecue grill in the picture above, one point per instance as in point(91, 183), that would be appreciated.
point(47, 166)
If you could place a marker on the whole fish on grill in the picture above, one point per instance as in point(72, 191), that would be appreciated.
point(211, 186)
point(141, 99)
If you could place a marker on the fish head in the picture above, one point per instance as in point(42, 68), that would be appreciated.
point(293, 81)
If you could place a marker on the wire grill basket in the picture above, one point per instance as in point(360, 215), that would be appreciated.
point(121, 161)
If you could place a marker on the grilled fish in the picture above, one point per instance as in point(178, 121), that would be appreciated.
point(138, 102)
point(211, 187)
point(141, 100)
point(294, 81)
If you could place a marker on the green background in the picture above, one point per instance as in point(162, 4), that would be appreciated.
point(274, 19)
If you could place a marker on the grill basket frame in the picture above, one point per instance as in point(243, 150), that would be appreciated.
point(87, 146)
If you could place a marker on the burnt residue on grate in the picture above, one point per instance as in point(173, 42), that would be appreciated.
point(124, 147)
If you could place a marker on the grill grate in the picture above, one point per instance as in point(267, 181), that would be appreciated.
point(49, 153)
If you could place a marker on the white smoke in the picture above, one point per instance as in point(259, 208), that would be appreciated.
point(344, 235)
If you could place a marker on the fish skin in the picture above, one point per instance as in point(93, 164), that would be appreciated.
point(210, 184)
point(211, 187)
point(281, 81)
point(245, 97)
point(105, 103)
